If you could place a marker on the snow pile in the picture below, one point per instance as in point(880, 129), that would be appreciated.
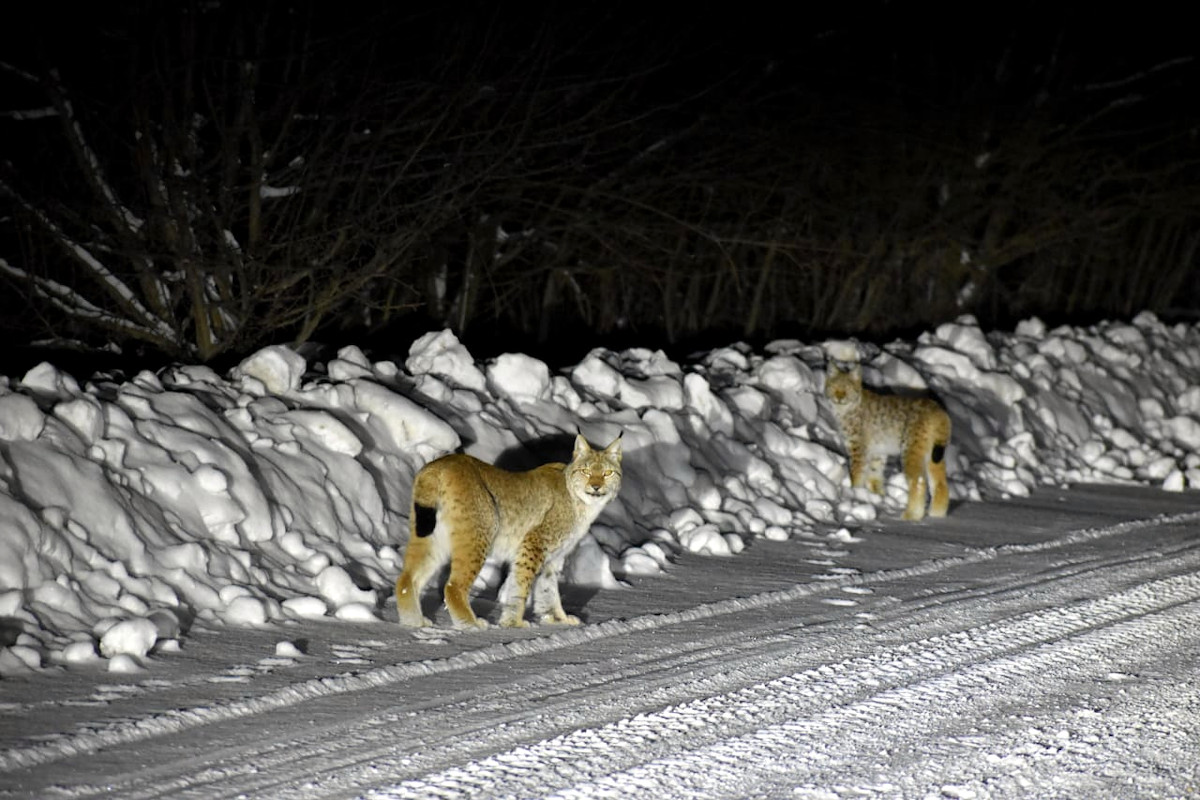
point(129, 509)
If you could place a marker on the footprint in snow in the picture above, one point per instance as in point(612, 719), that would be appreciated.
point(355, 654)
point(109, 692)
point(286, 655)
point(433, 635)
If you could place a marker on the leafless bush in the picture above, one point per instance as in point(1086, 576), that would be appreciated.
point(272, 176)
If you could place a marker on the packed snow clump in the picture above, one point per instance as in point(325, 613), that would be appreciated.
point(133, 507)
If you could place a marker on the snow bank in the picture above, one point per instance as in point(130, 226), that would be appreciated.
point(129, 508)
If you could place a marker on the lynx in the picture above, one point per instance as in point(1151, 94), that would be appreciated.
point(465, 510)
point(876, 426)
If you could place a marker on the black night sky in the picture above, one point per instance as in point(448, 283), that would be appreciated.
point(194, 180)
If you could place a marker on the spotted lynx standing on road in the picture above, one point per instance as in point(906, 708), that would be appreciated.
point(464, 510)
point(876, 426)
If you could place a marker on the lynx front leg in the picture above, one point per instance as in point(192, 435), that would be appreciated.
point(858, 463)
point(874, 473)
point(547, 603)
point(524, 569)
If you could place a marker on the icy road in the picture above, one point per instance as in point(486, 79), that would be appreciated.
point(1040, 647)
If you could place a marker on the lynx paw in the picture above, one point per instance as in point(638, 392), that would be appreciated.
point(416, 622)
point(513, 622)
point(475, 624)
point(565, 619)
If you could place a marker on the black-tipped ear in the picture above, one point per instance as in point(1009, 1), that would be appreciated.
point(614, 447)
point(582, 448)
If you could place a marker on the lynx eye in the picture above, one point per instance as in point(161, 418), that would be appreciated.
point(608, 473)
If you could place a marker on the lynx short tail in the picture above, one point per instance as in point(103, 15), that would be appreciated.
point(426, 489)
point(426, 519)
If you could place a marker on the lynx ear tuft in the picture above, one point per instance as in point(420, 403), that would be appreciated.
point(582, 448)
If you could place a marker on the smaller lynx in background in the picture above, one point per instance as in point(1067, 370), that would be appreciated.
point(464, 510)
point(876, 426)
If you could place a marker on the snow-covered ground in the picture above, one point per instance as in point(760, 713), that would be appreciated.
point(143, 518)
point(129, 509)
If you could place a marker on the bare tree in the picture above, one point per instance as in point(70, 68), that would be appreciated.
point(237, 177)
point(253, 176)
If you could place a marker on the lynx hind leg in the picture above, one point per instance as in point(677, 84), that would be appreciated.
point(471, 527)
point(915, 457)
point(421, 561)
point(935, 471)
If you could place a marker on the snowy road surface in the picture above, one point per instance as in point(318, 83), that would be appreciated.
point(1041, 647)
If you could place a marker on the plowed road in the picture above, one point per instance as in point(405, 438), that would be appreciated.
point(1046, 647)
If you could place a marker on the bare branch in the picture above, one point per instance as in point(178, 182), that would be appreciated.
point(80, 308)
point(30, 114)
point(92, 169)
point(1141, 75)
point(110, 283)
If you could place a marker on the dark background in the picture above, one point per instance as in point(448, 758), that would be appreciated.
point(551, 177)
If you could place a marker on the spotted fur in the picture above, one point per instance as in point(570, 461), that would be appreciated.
point(876, 426)
point(465, 510)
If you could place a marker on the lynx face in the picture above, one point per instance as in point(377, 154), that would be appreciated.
point(844, 389)
point(594, 476)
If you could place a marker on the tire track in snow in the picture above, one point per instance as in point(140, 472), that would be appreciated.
point(808, 722)
point(165, 723)
point(456, 726)
point(493, 723)
point(835, 741)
